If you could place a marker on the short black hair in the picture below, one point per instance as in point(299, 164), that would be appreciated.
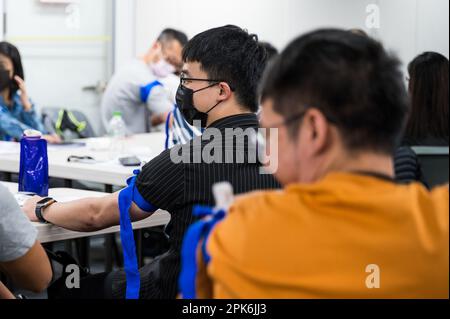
point(232, 55)
point(172, 34)
point(10, 51)
point(351, 79)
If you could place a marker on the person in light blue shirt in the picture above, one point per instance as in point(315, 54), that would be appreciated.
point(17, 112)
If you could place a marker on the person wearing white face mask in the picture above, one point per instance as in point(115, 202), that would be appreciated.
point(138, 90)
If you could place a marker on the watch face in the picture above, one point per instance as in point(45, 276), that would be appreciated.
point(44, 201)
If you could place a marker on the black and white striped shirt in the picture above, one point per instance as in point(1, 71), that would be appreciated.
point(177, 188)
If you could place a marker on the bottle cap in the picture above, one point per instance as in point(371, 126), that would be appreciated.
point(32, 133)
point(224, 195)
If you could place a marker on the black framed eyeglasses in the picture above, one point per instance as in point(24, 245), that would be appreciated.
point(198, 80)
point(299, 116)
point(184, 80)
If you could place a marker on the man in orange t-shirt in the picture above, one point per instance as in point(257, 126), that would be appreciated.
point(342, 227)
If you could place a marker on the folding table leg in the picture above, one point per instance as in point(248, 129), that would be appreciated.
point(7, 176)
point(109, 238)
point(83, 245)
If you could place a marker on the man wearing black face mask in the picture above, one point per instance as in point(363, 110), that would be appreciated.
point(185, 98)
point(221, 71)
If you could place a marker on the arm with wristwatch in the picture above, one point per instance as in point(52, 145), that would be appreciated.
point(85, 215)
point(40, 206)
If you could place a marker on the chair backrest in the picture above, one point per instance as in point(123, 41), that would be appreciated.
point(51, 115)
point(434, 162)
point(88, 131)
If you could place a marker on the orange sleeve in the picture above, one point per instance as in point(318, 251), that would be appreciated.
point(203, 282)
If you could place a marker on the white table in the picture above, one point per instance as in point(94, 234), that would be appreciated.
point(108, 171)
point(50, 233)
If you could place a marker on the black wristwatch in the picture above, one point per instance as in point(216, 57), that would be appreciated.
point(40, 206)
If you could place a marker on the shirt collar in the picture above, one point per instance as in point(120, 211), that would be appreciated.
point(237, 121)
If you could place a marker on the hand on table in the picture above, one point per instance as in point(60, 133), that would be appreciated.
point(52, 139)
point(29, 208)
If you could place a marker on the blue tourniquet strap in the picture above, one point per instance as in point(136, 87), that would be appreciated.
point(196, 233)
point(126, 197)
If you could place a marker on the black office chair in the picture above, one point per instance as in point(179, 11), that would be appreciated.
point(434, 162)
point(69, 128)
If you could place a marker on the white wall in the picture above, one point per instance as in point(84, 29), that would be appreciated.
point(124, 32)
point(433, 26)
point(61, 53)
point(2, 8)
point(277, 21)
point(407, 26)
point(410, 27)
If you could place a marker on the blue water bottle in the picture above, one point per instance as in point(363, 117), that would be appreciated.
point(33, 173)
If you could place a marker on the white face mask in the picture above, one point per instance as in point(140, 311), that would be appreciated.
point(162, 68)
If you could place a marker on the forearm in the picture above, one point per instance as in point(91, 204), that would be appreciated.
point(5, 293)
point(91, 214)
point(86, 215)
point(12, 127)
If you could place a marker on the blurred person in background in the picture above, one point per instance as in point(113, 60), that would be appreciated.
point(17, 111)
point(137, 90)
point(428, 119)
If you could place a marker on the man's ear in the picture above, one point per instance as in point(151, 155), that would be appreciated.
point(317, 130)
point(224, 91)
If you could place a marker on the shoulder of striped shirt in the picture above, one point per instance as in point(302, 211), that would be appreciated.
point(182, 129)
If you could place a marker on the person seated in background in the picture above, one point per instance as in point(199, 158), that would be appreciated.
point(17, 111)
point(22, 258)
point(218, 89)
point(429, 89)
point(428, 120)
point(342, 227)
point(137, 89)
